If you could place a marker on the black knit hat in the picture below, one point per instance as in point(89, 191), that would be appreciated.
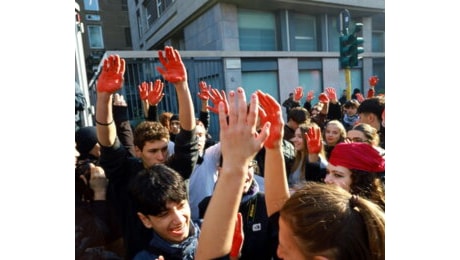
point(86, 139)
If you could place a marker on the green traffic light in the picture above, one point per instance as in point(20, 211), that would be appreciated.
point(358, 28)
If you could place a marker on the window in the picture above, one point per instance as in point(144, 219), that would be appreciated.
point(128, 40)
point(356, 81)
point(378, 41)
point(263, 80)
point(95, 37)
point(378, 69)
point(260, 74)
point(332, 34)
point(160, 7)
point(150, 12)
point(124, 5)
point(92, 17)
point(303, 33)
point(256, 30)
point(91, 5)
point(311, 80)
point(140, 28)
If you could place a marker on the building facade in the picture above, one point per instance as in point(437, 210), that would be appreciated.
point(274, 45)
point(106, 27)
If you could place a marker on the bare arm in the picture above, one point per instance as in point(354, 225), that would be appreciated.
point(220, 217)
point(174, 71)
point(276, 185)
point(110, 80)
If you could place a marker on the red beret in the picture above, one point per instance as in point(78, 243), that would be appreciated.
point(357, 156)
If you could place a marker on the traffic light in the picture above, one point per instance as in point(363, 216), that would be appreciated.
point(345, 50)
point(350, 47)
point(356, 43)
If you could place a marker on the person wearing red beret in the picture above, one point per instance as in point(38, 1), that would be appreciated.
point(356, 167)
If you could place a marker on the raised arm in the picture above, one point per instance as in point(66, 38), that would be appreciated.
point(204, 97)
point(110, 80)
point(154, 96)
point(238, 131)
point(174, 71)
point(276, 185)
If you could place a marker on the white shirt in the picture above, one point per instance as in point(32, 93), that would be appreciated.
point(203, 178)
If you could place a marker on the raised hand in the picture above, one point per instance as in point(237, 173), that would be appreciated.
point(203, 94)
point(313, 138)
point(174, 69)
point(239, 129)
point(373, 80)
point(371, 92)
point(111, 77)
point(98, 182)
point(298, 93)
point(119, 100)
point(331, 94)
point(216, 98)
point(155, 94)
point(238, 237)
point(323, 98)
point(271, 114)
point(359, 97)
point(310, 95)
point(143, 90)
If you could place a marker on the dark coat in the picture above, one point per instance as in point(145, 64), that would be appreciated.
point(120, 168)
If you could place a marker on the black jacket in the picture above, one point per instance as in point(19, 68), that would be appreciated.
point(120, 168)
point(260, 238)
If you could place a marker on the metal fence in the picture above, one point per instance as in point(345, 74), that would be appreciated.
point(138, 70)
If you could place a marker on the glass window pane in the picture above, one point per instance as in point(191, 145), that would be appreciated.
point(267, 81)
point(256, 30)
point(311, 80)
point(95, 37)
point(304, 32)
point(91, 5)
point(356, 81)
point(333, 34)
point(378, 41)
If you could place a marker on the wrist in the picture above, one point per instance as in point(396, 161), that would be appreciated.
point(99, 195)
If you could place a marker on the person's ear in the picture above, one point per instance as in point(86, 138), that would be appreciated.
point(373, 118)
point(145, 220)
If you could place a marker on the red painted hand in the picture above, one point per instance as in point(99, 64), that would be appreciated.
point(323, 98)
point(298, 93)
point(174, 69)
point(143, 90)
point(310, 95)
point(271, 113)
point(331, 94)
point(371, 92)
point(359, 97)
point(313, 138)
point(204, 90)
point(373, 80)
point(155, 92)
point(238, 237)
point(216, 98)
point(111, 78)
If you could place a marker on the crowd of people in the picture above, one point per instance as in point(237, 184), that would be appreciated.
point(310, 188)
